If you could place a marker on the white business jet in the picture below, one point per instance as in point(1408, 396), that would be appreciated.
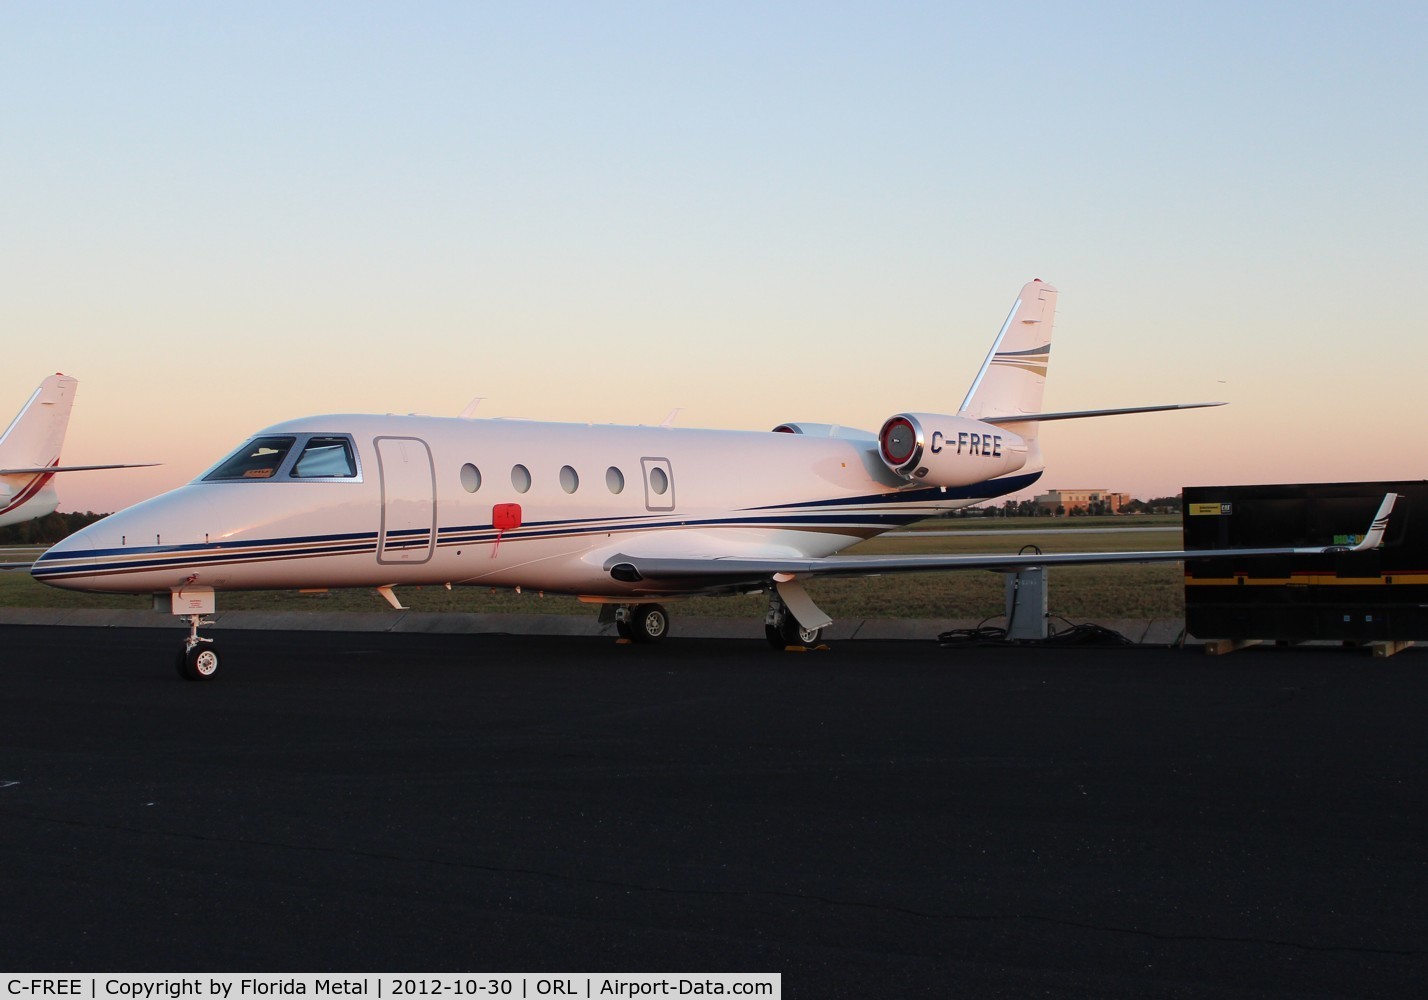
point(30, 452)
point(619, 516)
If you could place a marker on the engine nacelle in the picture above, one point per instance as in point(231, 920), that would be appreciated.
point(825, 430)
point(943, 450)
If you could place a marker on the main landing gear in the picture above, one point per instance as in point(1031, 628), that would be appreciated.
point(642, 622)
point(783, 630)
point(646, 623)
point(197, 657)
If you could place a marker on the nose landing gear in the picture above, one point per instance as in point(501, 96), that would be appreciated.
point(197, 657)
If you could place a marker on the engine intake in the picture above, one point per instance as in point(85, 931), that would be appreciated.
point(944, 450)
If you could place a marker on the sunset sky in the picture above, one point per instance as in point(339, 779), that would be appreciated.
point(218, 217)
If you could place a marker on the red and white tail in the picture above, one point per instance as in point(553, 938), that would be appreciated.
point(34, 438)
point(30, 451)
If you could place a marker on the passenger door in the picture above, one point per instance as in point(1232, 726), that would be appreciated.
point(408, 533)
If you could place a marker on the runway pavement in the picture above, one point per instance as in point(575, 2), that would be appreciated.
point(888, 818)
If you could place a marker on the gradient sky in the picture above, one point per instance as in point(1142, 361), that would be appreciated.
point(220, 217)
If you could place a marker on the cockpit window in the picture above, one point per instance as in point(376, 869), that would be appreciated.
point(258, 459)
point(325, 458)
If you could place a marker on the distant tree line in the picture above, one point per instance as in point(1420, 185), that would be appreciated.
point(1030, 508)
point(48, 529)
point(1155, 505)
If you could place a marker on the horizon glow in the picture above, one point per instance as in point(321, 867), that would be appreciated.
point(228, 218)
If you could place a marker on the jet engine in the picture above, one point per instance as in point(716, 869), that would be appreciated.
point(824, 430)
point(943, 450)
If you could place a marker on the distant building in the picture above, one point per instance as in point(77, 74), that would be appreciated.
point(1087, 500)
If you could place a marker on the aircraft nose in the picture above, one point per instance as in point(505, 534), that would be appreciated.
point(64, 553)
point(79, 543)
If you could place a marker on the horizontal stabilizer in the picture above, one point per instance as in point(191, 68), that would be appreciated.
point(73, 468)
point(1077, 414)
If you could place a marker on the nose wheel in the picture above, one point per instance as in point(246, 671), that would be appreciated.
point(198, 656)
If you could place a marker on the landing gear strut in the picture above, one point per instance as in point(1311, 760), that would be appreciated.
point(197, 658)
point(642, 622)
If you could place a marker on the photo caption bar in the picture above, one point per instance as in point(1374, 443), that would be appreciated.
point(250, 986)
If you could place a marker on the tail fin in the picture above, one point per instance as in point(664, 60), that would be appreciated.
point(1012, 378)
point(34, 437)
point(30, 450)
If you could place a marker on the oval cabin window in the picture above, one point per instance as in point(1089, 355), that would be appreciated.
point(521, 478)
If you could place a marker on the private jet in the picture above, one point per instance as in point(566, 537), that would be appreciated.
point(623, 517)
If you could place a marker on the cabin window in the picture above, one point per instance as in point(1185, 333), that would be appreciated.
point(615, 479)
point(258, 459)
point(521, 478)
point(325, 458)
point(659, 481)
point(470, 478)
point(569, 479)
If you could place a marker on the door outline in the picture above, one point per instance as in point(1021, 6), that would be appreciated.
point(411, 451)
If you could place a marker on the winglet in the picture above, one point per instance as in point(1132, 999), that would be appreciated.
point(1374, 538)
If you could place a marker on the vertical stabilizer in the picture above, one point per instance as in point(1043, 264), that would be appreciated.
point(34, 437)
point(1013, 376)
point(32, 442)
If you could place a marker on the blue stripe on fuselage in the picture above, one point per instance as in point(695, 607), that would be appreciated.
point(110, 561)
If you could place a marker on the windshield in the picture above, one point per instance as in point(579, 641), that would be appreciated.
point(258, 459)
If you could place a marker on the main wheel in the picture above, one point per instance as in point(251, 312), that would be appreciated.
point(790, 633)
point(649, 623)
point(199, 663)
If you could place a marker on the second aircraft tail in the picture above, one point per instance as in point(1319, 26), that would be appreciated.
point(34, 438)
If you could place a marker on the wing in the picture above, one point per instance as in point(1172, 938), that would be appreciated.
point(725, 571)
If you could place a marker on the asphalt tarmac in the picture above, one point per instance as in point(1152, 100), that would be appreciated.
point(885, 819)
